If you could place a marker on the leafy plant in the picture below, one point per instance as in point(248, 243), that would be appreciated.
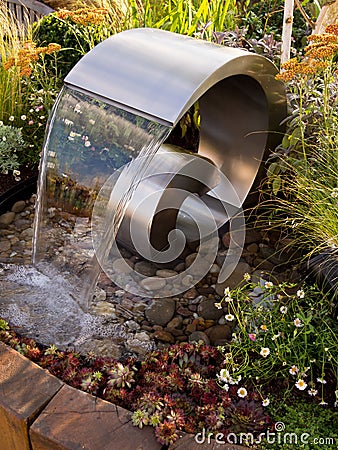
point(319, 424)
point(281, 333)
point(38, 89)
point(199, 18)
point(3, 325)
point(11, 144)
point(266, 18)
point(303, 172)
point(11, 39)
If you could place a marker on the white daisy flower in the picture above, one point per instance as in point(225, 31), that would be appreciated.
point(266, 402)
point(230, 317)
point(294, 370)
point(283, 309)
point(301, 385)
point(242, 392)
point(224, 376)
point(268, 285)
point(312, 391)
point(265, 352)
point(334, 193)
point(297, 323)
point(300, 293)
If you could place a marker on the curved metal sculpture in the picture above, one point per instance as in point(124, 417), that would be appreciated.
point(156, 76)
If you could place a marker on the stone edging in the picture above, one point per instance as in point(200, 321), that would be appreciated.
point(40, 412)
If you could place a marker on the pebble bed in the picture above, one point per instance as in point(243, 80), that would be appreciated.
point(150, 323)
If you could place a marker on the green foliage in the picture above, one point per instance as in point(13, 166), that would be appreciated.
point(284, 334)
point(303, 172)
point(320, 425)
point(27, 90)
point(199, 18)
point(11, 39)
point(266, 18)
point(11, 145)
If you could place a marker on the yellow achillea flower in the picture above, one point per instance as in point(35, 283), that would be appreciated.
point(321, 51)
point(84, 16)
point(323, 39)
point(52, 47)
point(27, 55)
point(318, 54)
point(293, 67)
point(332, 29)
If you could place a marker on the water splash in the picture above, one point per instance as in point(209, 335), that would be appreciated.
point(42, 306)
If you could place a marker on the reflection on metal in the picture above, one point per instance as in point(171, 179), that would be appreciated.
point(160, 75)
point(173, 188)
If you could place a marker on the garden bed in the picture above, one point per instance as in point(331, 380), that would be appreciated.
point(277, 341)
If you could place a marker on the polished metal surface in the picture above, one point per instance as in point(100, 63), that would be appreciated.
point(160, 75)
point(165, 186)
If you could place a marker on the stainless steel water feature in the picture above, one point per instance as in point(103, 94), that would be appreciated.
point(154, 77)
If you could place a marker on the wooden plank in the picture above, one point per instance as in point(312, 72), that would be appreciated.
point(19, 13)
point(25, 389)
point(74, 420)
point(26, 12)
point(33, 5)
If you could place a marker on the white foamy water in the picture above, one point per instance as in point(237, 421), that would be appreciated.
point(42, 306)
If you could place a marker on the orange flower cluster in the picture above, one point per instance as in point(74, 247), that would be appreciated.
point(84, 16)
point(323, 46)
point(294, 67)
point(318, 53)
point(332, 29)
point(28, 54)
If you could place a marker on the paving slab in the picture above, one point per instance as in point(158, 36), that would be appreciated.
point(76, 420)
point(25, 389)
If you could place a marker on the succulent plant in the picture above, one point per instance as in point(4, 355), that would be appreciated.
point(140, 418)
point(247, 416)
point(121, 376)
point(166, 433)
